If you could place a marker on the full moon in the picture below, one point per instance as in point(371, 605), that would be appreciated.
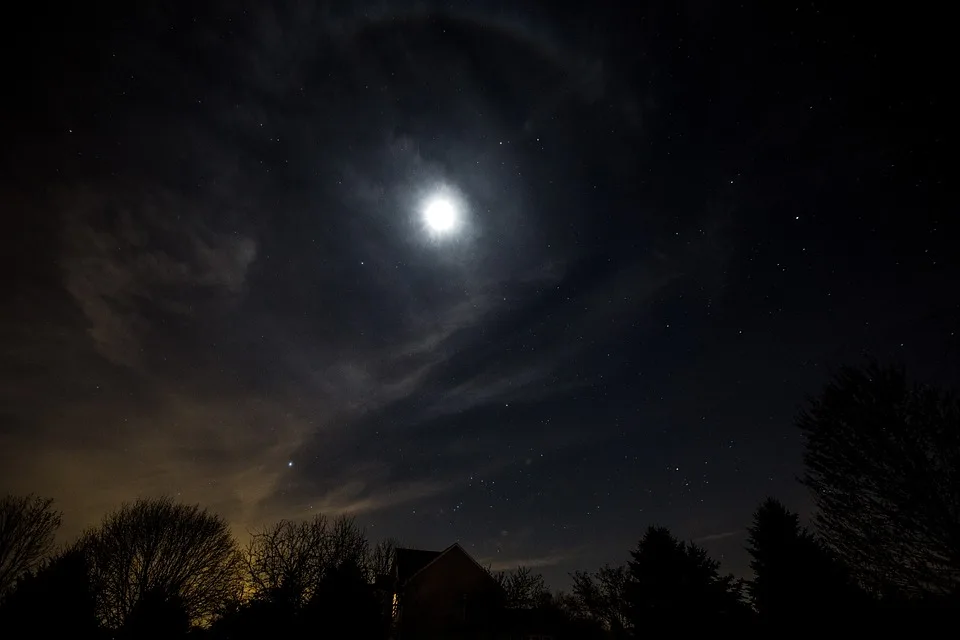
point(441, 214)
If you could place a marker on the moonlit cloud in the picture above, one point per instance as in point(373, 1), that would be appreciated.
point(497, 563)
point(127, 258)
point(723, 535)
point(462, 273)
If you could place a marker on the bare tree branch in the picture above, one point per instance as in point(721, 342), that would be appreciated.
point(380, 559)
point(603, 597)
point(883, 462)
point(160, 547)
point(287, 560)
point(28, 525)
point(524, 589)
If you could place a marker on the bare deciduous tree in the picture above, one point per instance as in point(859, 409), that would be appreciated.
point(523, 588)
point(883, 462)
point(28, 525)
point(380, 559)
point(287, 560)
point(158, 546)
point(348, 544)
point(603, 597)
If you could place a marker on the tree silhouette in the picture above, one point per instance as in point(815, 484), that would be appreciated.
point(28, 525)
point(577, 621)
point(163, 550)
point(54, 601)
point(314, 577)
point(523, 588)
point(157, 615)
point(603, 597)
point(346, 604)
point(256, 618)
point(883, 462)
point(795, 578)
point(780, 549)
point(286, 561)
point(675, 584)
point(380, 559)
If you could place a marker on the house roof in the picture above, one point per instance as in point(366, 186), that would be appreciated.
point(411, 561)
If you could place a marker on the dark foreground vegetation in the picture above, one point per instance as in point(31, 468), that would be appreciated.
point(882, 460)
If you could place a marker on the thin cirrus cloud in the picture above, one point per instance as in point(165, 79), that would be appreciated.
point(497, 563)
point(117, 272)
point(723, 535)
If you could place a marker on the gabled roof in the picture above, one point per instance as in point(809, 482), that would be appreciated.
point(411, 562)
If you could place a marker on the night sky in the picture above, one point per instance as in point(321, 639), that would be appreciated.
point(672, 223)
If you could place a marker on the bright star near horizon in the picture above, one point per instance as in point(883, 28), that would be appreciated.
point(441, 214)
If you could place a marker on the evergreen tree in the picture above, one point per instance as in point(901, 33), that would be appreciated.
point(54, 601)
point(677, 585)
point(795, 578)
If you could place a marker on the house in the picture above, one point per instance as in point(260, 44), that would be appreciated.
point(444, 594)
point(447, 594)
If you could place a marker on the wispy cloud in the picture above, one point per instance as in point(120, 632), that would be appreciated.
point(359, 497)
point(124, 257)
point(499, 563)
point(723, 535)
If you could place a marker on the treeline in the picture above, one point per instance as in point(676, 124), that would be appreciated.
point(882, 462)
point(159, 569)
